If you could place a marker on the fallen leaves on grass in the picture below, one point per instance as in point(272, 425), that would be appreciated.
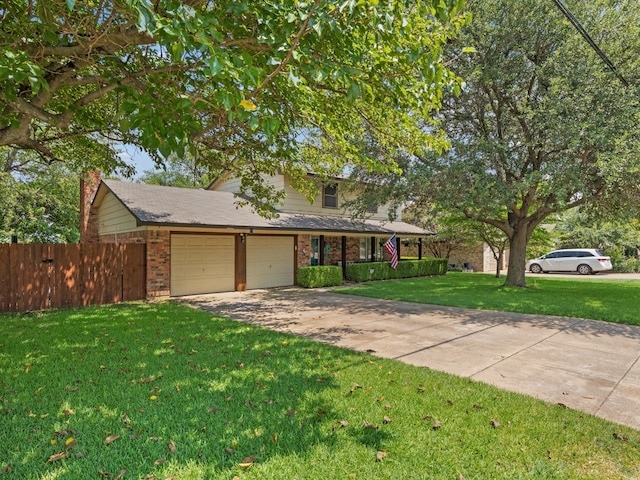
point(108, 475)
point(370, 425)
point(622, 438)
point(436, 425)
point(248, 462)
point(495, 423)
point(172, 447)
point(386, 419)
point(57, 456)
point(111, 438)
point(341, 423)
point(380, 455)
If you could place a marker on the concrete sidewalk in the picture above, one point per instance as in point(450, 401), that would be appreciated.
point(587, 365)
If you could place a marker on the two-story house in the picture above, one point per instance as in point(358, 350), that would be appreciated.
point(201, 241)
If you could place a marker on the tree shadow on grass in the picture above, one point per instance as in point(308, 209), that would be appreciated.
point(151, 388)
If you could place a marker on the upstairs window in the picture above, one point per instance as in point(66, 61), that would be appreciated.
point(330, 196)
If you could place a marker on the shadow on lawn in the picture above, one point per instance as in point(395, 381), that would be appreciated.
point(156, 376)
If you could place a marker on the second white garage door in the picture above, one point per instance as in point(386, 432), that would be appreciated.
point(269, 261)
point(202, 264)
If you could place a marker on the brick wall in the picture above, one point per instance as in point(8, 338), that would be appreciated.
point(158, 263)
point(480, 256)
point(335, 250)
point(89, 183)
point(304, 250)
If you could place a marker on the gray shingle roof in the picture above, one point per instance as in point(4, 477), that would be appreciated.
point(154, 205)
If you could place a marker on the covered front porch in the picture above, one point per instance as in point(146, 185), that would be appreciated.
point(341, 250)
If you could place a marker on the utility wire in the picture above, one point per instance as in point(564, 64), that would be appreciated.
point(567, 13)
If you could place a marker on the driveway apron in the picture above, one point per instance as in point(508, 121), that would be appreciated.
point(586, 365)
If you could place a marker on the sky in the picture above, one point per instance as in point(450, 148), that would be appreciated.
point(138, 158)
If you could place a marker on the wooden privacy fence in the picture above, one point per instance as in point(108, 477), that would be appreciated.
point(39, 276)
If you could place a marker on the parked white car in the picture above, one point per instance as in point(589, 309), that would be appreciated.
point(585, 261)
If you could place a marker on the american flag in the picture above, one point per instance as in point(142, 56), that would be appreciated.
point(393, 250)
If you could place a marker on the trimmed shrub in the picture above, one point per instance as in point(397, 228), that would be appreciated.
point(365, 272)
point(319, 276)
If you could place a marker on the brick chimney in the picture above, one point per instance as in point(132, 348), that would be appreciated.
point(89, 183)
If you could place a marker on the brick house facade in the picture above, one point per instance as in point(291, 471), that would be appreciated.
point(118, 212)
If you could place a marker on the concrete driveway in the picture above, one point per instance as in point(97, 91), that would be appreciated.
point(587, 365)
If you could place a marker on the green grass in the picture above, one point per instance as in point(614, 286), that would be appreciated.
point(610, 300)
point(222, 394)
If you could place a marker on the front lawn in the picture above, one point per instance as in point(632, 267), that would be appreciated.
point(610, 300)
point(141, 391)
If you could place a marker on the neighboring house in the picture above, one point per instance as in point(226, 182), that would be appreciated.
point(200, 241)
point(479, 256)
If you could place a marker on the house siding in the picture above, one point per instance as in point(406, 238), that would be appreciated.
point(295, 202)
point(231, 185)
point(115, 218)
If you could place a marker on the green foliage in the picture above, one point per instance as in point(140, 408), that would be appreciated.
point(365, 272)
point(527, 134)
point(624, 264)
point(185, 172)
point(319, 276)
point(251, 83)
point(582, 229)
point(40, 202)
point(181, 393)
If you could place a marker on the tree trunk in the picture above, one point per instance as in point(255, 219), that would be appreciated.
point(517, 257)
point(499, 262)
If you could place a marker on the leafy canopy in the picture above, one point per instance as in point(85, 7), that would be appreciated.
point(242, 84)
point(541, 125)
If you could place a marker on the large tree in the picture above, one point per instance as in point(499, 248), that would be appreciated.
point(39, 201)
point(238, 82)
point(542, 124)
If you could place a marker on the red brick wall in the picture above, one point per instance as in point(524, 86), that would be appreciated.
point(304, 250)
point(89, 183)
point(158, 263)
point(335, 250)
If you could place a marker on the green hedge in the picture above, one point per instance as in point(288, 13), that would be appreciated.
point(364, 272)
point(319, 276)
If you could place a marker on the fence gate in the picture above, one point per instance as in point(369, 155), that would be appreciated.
point(40, 276)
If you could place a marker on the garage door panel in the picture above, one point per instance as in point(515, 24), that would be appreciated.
point(202, 264)
point(270, 261)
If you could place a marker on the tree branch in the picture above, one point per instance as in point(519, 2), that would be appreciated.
point(287, 58)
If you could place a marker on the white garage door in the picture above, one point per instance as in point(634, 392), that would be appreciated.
point(202, 264)
point(269, 261)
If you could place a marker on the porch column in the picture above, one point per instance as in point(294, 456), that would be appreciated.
point(398, 247)
point(321, 250)
point(344, 256)
point(241, 263)
point(373, 249)
point(420, 248)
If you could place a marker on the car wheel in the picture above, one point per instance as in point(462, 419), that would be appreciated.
point(584, 269)
point(535, 268)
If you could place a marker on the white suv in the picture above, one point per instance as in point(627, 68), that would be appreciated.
point(585, 261)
